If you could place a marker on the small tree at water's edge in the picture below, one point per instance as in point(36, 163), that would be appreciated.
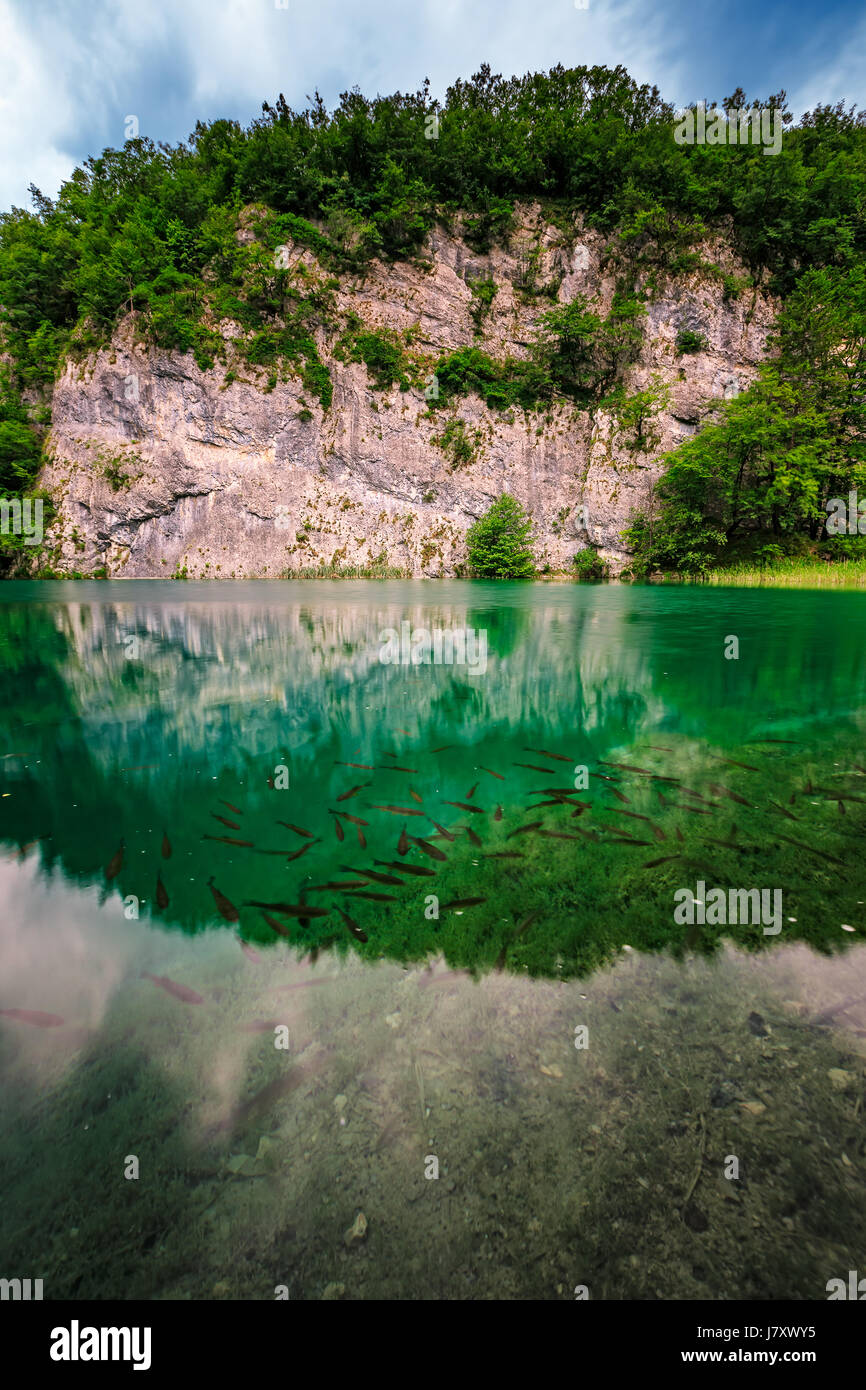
point(498, 543)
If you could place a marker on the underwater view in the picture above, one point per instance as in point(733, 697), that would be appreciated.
point(422, 941)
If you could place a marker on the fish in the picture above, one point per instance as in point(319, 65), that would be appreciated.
point(628, 767)
point(465, 806)
point(248, 950)
point(776, 740)
point(524, 829)
point(446, 834)
point(415, 797)
point(275, 1090)
point(474, 839)
point(665, 859)
point(227, 840)
point(748, 766)
point(634, 815)
point(718, 790)
point(431, 850)
point(783, 810)
point(504, 854)
point(116, 862)
point(497, 814)
point(620, 796)
point(463, 902)
point(392, 767)
point(373, 897)
point(161, 894)
point(290, 909)
point(356, 820)
point(556, 801)
point(841, 807)
point(166, 846)
point(275, 925)
point(533, 767)
point(353, 791)
point(680, 836)
point(416, 870)
point(229, 824)
point(492, 773)
point(823, 854)
point(657, 748)
point(237, 810)
point(362, 839)
point(339, 831)
point(365, 767)
point(407, 732)
point(400, 810)
point(225, 907)
point(307, 834)
point(403, 842)
point(356, 931)
point(563, 792)
point(557, 835)
point(725, 844)
point(442, 749)
point(182, 992)
point(298, 852)
point(371, 873)
point(470, 794)
point(587, 834)
point(336, 886)
point(695, 810)
point(33, 1016)
point(543, 753)
point(499, 963)
point(623, 840)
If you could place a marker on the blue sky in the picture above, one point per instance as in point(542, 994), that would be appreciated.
point(71, 71)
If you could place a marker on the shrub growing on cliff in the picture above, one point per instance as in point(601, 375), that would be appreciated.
point(499, 542)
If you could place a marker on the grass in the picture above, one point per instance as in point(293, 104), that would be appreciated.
point(374, 571)
point(792, 573)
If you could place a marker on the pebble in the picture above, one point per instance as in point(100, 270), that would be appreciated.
point(839, 1078)
point(554, 1071)
point(754, 1107)
point(357, 1231)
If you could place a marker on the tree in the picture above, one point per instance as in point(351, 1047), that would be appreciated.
point(498, 543)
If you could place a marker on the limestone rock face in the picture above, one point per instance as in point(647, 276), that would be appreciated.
point(158, 467)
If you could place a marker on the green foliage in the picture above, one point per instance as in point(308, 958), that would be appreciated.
point(459, 443)
point(589, 565)
point(380, 350)
point(483, 292)
point(499, 542)
point(687, 342)
point(761, 473)
point(634, 414)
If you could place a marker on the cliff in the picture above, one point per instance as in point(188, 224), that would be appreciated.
point(160, 467)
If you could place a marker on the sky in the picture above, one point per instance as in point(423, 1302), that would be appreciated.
point(73, 71)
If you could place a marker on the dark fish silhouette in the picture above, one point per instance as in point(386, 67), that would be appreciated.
point(504, 854)
point(783, 810)
point(446, 834)
point(248, 950)
point(353, 791)
point(116, 862)
point(403, 842)
point(665, 859)
point(356, 820)
point(362, 839)
point(400, 810)
point(415, 797)
point(372, 874)
point(298, 852)
point(465, 806)
point(521, 930)
point(161, 894)
point(182, 992)
point(524, 829)
point(474, 839)
point(543, 753)
point(492, 773)
point(356, 931)
point(166, 846)
point(374, 897)
point(497, 814)
point(748, 766)
point(339, 831)
point(557, 835)
point(275, 925)
point(470, 794)
point(392, 767)
point(822, 854)
point(365, 767)
point(227, 840)
point(627, 767)
point(34, 1017)
point(620, 796)
point(442, 749)
point(718, 790)
point(290, 909)
point(225, 908)
point(415, 870)
point(533, 767)
point(229, 824)
point(237, 810)
point(307, 834)
point(336, 886)
point(432, 851)
point(463, 902)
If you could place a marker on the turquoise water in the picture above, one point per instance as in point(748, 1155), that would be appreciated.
point(283, 1073)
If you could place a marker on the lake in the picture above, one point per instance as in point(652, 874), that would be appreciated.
point(431, 940)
